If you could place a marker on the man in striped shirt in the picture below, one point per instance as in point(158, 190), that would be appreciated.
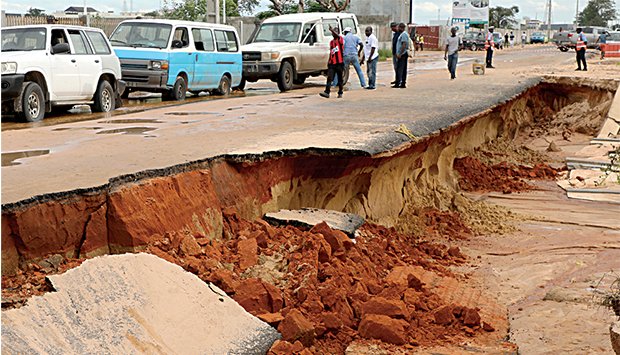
point(335, 65)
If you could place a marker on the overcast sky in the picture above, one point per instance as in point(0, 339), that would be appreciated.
point(563, 10)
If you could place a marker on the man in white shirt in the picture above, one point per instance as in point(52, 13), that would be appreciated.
point(371, 55)
point(453, 45)
point(489, 45)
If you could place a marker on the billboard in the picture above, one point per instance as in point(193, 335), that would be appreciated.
point(477, 11)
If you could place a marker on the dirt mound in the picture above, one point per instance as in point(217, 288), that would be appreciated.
point(328, 290)
point(503, 177)
point(581, 117)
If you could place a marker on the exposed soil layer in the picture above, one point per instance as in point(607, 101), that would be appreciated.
point(503, 177)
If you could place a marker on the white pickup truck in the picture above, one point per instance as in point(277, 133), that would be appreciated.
point(57, 65)
point(288, 49)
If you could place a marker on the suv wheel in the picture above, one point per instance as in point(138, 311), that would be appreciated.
point(345, 76)
point(33, 102)
point(224, 87)
point(285, 77)
point(104, 97)
point(474, 47)
point(178, 90)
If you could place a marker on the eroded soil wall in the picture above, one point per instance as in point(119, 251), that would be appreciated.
point(126, 213)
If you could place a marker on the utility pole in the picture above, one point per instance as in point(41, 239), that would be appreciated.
point(410, 11)
point(549, 19)
point(577, 14)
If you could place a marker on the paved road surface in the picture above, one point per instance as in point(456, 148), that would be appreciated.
point(86, 154)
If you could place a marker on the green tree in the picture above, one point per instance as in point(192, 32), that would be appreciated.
point(35, 12)
point(503, 16)
point(598, 13)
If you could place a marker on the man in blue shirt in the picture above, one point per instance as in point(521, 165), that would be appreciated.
point(353, 46)
point(602, 39)
point(402, 56)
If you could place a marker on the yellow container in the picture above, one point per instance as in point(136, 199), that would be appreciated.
point(478, 68)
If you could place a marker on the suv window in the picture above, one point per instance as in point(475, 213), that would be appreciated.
point(79, 42)
point(180, 36)
point(309, 32)
point(58, 36)
point(203, 39)
point(226, 41)
point(326, 24)
point(348, 22)
point(98, 41)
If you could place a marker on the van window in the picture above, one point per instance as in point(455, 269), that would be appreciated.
point(79, 42)
point(326, 24)
point(98, 41)
point(309, 33)
point(203, 39)
point(348, 22)
point(226, 41)
point(180, 38)
point(141, 34)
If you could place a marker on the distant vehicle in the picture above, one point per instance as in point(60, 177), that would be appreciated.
point(614, 36)
point(173, 57)
point(566, 40)
point(473, 41)
point(288, 49)
point(498, 40)
point(538, 37)
point(56, 65)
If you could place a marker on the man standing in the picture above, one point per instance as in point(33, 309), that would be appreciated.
point(512, 39)
point(402, 55)
point(395, 35)
point(335, 65)
point(421, 43)
point(523, 39)
point(489, 45)
point(371, 49)
point(602, 39)
point(582, 44)
point(353, 47)
point(453, 47)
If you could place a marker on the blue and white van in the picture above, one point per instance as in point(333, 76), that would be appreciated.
point(173, 57)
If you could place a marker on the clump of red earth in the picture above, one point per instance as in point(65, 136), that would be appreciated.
point(503, 177)
point(332, 291)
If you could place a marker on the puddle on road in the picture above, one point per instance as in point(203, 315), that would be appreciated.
point(128, 130)
point(76, 129)
point(188, 113)
point(132, 120)
point(8, 159)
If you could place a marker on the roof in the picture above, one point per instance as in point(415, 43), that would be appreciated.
point(79, 9)
point(309, 16)
point(180, 23)
point(55, 25)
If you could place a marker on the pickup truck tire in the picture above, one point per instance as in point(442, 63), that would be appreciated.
point(178, 91)
point(285, 77)
point(224, 86)
point(300, 79)
point(564, 49)
point(474, 47)
point(105, 98)
point(33, 102)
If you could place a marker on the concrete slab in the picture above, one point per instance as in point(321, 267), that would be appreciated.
point(610, 128)
point(129, 304)
point(309, 217)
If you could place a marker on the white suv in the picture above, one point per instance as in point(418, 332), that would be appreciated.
point(58, 65)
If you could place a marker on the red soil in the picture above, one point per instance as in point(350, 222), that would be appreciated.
point(503, 177)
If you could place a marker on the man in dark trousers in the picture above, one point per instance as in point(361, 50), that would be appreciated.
point(335, 65)
point(402, 56)
point(582, 45)
point(489, 45)
point(395, 35)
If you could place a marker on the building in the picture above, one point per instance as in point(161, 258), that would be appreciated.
point(78, 10)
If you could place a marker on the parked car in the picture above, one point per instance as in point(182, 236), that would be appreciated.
point(288, 49)
point(56, 65)
point(614, 37)
point(498, 40)
point(173, 57)
point(474, 41)
point(568, 40)
point(538, 37)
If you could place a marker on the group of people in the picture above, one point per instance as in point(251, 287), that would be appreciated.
point(345, 50)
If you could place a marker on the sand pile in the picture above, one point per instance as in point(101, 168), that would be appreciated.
point(503, 177)
point(325, 290)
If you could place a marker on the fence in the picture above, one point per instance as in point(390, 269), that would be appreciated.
point(107, 24)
